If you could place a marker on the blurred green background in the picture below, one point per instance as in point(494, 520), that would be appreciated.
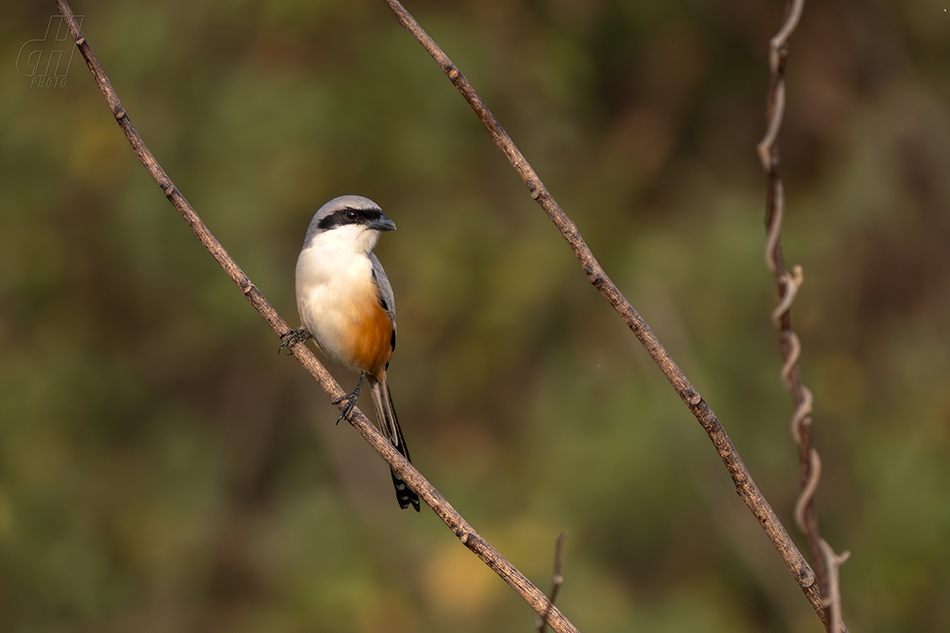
point(162, 468)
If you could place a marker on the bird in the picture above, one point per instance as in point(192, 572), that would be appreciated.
point(345, 302)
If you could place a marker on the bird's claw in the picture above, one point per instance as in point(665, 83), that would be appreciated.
point(351, 399)
point(293, 337)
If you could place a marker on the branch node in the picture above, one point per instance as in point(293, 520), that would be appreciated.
point(695, 399)
point(120, 114)
point(807, 579)
point(593, 273)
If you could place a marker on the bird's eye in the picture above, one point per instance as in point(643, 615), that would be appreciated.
point(352, 215)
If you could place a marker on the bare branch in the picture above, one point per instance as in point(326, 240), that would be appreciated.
point(788, 285)
point(557, 580)
point(745, 486)
point(833, 562)
point(459, 526)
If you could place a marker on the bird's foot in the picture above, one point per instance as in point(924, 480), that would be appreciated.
point(293, 337)
point(350, 399)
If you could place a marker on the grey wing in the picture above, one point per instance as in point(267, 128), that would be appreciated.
point(386, 298)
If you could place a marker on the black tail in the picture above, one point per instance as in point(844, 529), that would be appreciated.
point(389, 425)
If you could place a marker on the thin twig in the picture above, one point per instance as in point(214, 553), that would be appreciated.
point(556, 581)
point(745, 486)
point(833, 562)
point(806, 516)
point(459, 526)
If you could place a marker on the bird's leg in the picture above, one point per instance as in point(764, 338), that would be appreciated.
point(351, 399)
point(293, 337)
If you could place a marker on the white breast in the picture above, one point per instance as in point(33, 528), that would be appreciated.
point(333, 285)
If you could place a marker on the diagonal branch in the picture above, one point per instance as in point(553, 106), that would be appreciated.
point(459, 526)
point(745, 486)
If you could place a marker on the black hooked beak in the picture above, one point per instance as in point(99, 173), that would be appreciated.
point(382, 223)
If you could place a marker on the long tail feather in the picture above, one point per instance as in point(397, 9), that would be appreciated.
point(389, 426)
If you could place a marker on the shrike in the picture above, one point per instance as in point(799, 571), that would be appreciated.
point(346, 303)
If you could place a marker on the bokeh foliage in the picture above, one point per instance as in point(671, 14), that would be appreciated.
point(163, 469)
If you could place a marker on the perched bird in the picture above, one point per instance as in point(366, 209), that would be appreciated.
point(346, 303)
